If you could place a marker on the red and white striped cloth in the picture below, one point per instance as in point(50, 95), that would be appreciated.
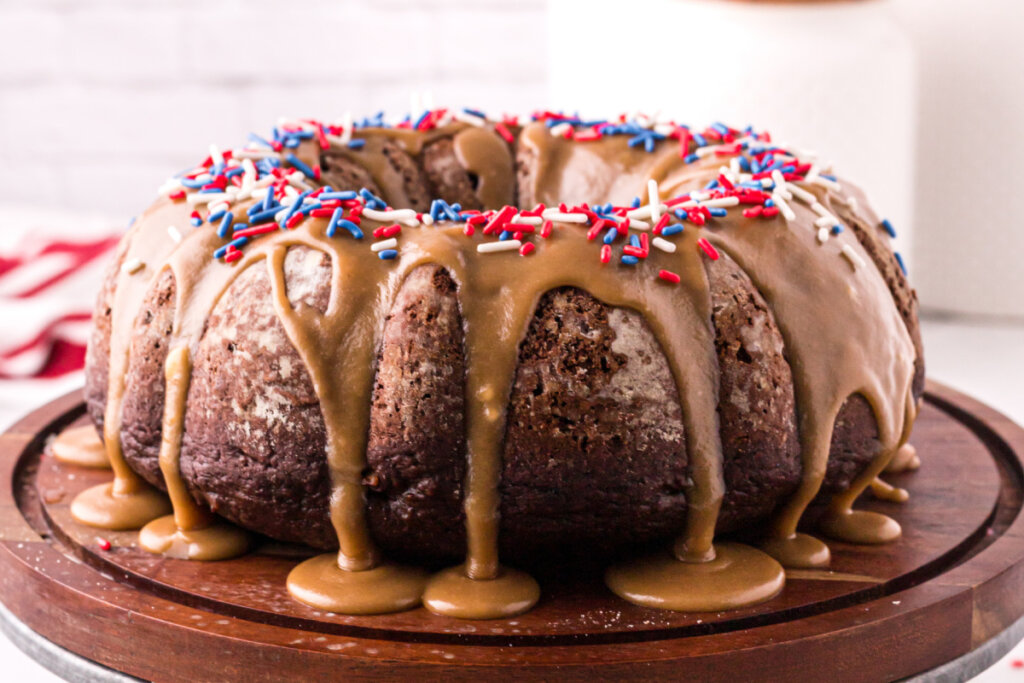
point(49, 278)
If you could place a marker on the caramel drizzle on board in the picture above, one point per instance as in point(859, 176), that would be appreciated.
point(841, 328)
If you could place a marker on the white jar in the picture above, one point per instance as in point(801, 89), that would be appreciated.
point(833, 77)
point(969, 244)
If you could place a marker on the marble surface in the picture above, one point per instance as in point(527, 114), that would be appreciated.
point(983, 358)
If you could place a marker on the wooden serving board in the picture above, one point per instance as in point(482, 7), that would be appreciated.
point(884, 612)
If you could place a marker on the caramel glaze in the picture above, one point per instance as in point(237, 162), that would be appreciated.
point(80, 446)
point(841, 327)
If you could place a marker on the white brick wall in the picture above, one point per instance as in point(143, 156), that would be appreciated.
point(122, 93)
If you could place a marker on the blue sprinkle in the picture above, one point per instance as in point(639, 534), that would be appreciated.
point(241, 241)
point(634, 241)
point(680, 214)
point(301, 165)
point(263, 216)
point(225, 225)
point(343, 196)
point(296, 205)
point(214, 217)
point(712, 185)
point(690, 158)
point(899, 260)
point(630, 260)
point(700, 140)
point(420, 120)
point(718, 212)
point(609, 237)
point(435, 209)
point(888, 227)
point(260, 141)
point(768, 203)
point(505, 235)
point(673, 229)
point(744, 164)
point(351, 227)
point(836, 229)
point(195, 221)
point(474, 112)
point(356, 144)
point(635, 203)
point(828, 176)
point(292, 143)
point(192, 184)
point(387, 254)
point(372, 200)
point(332, 225)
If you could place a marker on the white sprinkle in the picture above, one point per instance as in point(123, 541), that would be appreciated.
point(392, 215)
point(634, 224)
point(780, 182)
point(721, 202)
point(783, 206)
point(204, 197)
point(645, 211)
point(825, 221)
point(215, 155)
point(249, 153)
point(819, 208)
point(346, 128)
point(825, 182)
point(560, 129)
point(471, 119)
point(527, 220)
point(654, 200)
point(428, 219)
point(800, 193)
point(734, 166)
point(853, 257)
point(700, 195)
point(217, 207)
point(813, 172)
point(664, 245)
point(132, 266)
point(556, 215)
point(507, 245)
point(386, 244)
point(706, 151)
point(822, 235)
point(665, 129)
point(174, 233)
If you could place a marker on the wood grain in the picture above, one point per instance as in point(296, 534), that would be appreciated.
point(949, 585)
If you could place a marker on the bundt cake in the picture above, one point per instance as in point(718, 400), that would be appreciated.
point(457, 337)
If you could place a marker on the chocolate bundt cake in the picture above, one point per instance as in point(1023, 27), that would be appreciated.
point(453, 337)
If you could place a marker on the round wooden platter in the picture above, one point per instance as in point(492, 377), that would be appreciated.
point(882, 612)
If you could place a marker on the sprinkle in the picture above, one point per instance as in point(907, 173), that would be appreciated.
point(225, 225)
point(822, 235)
point(103, 543)
point(853, 257)
point(385, 244)
point(674, 229)
point(387, 254)
point(888, 228)
point(174, 233)
point(301, 165)
point(526, 249)
point(783, 207)
point(630, 260)
point(663, 245)
point(357, 144)
point(504, 132)
point(708, 249)
point(132, 266)
point(899, 260)
point(507, 245)
point(606, 254)
point(654, 199)
point(545, 230)
point(669, 276)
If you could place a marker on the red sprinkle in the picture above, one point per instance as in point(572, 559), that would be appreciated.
point(469, 230)
point(753, 212)
point(504, 132)
point(545, 230)
point(103, 543)
point(294, 220)
point(708, 249)
point(385, 231)
point(606, 253)
point(662, 222)
point(526, 249)
point(770, 211)
point(1017, 664)
point(232, 256)
point(175, 196)
point(668, 276)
